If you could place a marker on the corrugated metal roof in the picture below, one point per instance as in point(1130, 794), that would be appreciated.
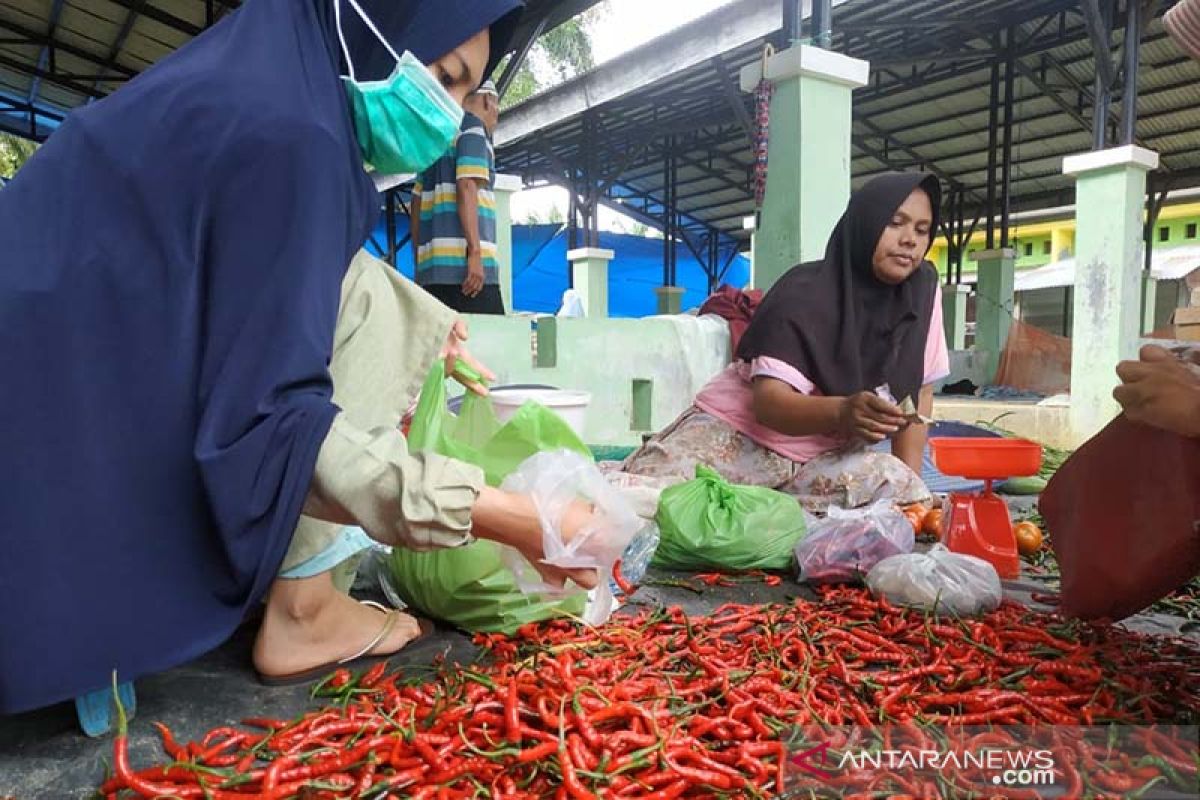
point(927, 107)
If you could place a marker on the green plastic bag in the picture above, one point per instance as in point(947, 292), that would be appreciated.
point(709, 523)
point(477, 437)
point(470, 587)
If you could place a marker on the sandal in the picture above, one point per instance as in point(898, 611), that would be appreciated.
point(362, 658)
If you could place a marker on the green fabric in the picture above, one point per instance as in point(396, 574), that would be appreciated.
point(709, 523)
point(604, 452)
point(470, 587)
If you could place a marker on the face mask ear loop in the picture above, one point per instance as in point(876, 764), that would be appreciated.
point(367, 21)
point(337, 13)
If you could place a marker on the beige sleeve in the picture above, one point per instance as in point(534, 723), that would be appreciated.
point(389, 333)
point(417, 500)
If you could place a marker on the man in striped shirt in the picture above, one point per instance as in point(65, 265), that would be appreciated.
point(454, 215)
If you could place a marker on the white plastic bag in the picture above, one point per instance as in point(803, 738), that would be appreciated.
point(857, 478)
point(938, 580)
point(555, 480)
point(846, 545)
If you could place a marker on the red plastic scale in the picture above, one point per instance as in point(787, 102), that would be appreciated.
point(979, 524)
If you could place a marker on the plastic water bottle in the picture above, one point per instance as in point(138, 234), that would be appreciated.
point(636, 558)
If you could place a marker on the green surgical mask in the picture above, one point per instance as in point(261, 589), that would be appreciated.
point(403, 123)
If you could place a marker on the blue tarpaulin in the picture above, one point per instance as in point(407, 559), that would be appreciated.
point(540, 269)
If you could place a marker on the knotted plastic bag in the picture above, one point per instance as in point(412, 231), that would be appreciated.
point(709, 523)
point(938, 580)
point(847, 544)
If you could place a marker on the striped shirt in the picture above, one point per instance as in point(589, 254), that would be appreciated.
point(442, 249)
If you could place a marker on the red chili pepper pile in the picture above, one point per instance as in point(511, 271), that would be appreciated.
point(660, 705)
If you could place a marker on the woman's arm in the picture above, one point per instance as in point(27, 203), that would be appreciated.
point(865, 415)
point(781, 408)
point(909, 444)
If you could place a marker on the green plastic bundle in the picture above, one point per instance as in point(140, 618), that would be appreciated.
point(709, 523)
point(470, 587)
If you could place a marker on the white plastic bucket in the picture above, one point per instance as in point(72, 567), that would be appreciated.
point(571, 405)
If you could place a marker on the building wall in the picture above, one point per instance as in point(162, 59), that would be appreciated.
point(641, 373)
point(1037, 242)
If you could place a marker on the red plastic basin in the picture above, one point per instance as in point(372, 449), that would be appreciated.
point(986, 458)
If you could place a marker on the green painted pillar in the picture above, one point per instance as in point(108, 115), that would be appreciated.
point(954, 314)
point(506, 186)
point(670, 299)
point(1149, 302)
point(589, 266)
point(994, 302)
point(808, 179)
point(1110, 191)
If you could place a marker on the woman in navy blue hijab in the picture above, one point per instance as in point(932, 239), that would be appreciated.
point(169, 287)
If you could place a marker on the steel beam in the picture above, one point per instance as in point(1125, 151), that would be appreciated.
point(1097, 29)
point(119, 42)
point(514, 65)
point(993, 142)
point(1006, 166)
point(734, 97)
point(56, 8)
point(1129, 91)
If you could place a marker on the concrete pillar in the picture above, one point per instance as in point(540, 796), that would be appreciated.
point(1062, 242)
point(808, 183)
point(954, 315)
point(1149, 303)
point(589, 266)
point(670, 299)
point(1110, 197)
point(506, 187)
point(994, 302)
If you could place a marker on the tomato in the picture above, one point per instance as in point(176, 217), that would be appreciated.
point(932, 524)
point(914, 518)
point(1029, 538)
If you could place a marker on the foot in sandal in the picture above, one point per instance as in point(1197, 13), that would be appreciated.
point(310, 628)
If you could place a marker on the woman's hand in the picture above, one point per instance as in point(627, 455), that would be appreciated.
point(455, 350)
point(868, 416)
point(1161, 391)
point(512, 519)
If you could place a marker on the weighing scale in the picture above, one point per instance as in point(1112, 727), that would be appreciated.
point(979, 524)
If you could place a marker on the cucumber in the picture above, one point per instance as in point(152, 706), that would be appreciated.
point(1023, 486)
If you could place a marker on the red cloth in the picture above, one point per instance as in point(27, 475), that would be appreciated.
point(1123, 515)
point(735, 306)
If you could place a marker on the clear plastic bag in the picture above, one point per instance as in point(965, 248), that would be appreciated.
point(555, 480)
point(857, 478)
point(637, 556)
point(847, 544)
point(938, 580)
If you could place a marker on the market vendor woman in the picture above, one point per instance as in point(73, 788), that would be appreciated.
point(835, 349)
point(173, 261)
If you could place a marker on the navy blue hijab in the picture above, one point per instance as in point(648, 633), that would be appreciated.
point(170, 269)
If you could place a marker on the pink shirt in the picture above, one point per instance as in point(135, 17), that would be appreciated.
point(730, 395)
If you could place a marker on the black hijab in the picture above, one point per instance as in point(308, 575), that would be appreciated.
point(429, 28)
point(839, 325)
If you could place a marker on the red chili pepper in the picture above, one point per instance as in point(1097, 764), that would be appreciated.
point(625, 586)
point(372, 677)
point(170, 746)
point(512, 719)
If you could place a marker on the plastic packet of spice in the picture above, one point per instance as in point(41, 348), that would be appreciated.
point(846, 545)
